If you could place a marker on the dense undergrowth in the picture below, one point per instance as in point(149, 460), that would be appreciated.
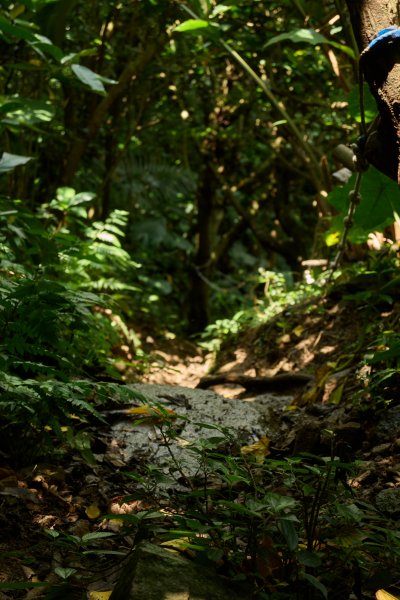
point(59, 321)
point(287, 526)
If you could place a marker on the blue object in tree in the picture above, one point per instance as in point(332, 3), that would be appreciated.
point(383, 39)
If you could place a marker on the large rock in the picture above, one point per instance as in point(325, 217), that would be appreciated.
point(249, 421)
point(154, 573)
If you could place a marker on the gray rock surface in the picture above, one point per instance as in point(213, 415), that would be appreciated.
point(249, 420)
point(154, 573)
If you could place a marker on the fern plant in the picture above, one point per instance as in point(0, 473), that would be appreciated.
point(55, 325)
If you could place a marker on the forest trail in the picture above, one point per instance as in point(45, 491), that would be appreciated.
point(320, 338)
point(175, 362)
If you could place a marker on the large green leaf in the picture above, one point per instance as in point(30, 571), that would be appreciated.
point(8, 162)
point(89, 78)
point(10, 29)
point(289, 532)
point(380, 202)
point(316, 584)
point(308, 36)
point(23, 30)
point(192, 25)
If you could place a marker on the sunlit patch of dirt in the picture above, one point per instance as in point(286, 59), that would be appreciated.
point(298, 340)
point(175, 362)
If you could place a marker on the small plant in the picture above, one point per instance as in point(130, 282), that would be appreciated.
point(278, 294)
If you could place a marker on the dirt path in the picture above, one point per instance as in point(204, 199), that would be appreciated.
point(176, 362)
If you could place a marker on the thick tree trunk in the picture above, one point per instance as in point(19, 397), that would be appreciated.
point(381, 69)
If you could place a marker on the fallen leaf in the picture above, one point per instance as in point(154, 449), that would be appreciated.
point(259, 449)
point(382, 595)
point(150, 411)
point(298, 331)
point(313, 395)
point(93, 511)
point(99, 595)
point(177, 544)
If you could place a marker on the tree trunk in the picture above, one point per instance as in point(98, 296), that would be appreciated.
point(381, 68)
point(208, 219)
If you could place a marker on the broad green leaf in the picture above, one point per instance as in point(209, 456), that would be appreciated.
point(8, 28)
point(8, 162)
point(289, 533)
point(192, 25)
point(380, 200)
point(23, 30)
point(89, 78)
point(351, 512)
point(83, 197)
point(279, 503)
point(42, 44)
point(220, 9)
point(307, 36)
point(74, 56)
point(308, 559)
point(9, 105)
point(64, 197)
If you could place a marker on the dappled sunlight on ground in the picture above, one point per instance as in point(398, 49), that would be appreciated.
point(177, 362)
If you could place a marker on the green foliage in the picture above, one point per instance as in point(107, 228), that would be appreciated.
point(56, 330)
point(8, 162)
point(382, 363)
point(379, 207)
point(165, 124)
point(278, 293)
point(281, 524)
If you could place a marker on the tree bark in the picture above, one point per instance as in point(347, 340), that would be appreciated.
point(381, 70)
